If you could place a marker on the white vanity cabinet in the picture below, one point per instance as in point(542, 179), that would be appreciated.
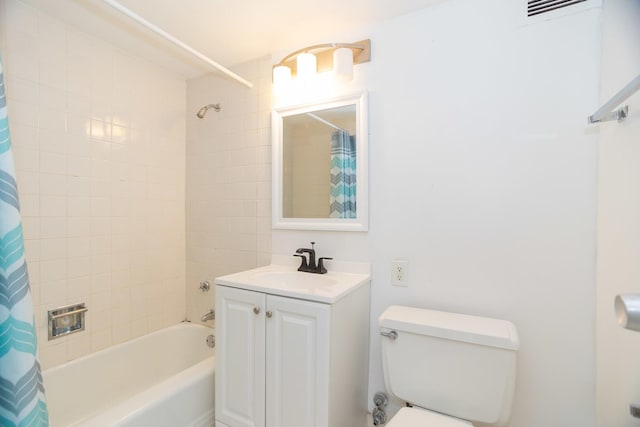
point(290, 362)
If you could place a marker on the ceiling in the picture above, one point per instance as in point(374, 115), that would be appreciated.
point(229, 32)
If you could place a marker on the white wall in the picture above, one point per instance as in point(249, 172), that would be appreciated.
point(618, 370)
point(98, 138)
point(483, 175)
point(228, 179)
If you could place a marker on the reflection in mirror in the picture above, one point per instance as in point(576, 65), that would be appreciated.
point(319, 165)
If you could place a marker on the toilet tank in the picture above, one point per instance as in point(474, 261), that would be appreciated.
point(455, 364)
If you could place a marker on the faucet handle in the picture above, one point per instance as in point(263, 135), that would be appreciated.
point(321, 267)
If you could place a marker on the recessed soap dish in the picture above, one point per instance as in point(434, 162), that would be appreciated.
point(66, 320)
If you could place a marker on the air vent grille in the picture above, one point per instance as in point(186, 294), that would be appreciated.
point(538, 7)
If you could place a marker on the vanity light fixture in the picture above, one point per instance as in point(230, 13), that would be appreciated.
point(339, 57)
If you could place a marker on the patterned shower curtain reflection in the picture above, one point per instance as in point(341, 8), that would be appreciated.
point(22, 401)
point(343, 175)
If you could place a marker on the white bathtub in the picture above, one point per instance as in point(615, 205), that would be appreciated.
point(164, 379)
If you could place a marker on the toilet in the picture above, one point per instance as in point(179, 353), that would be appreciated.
point(452, 370)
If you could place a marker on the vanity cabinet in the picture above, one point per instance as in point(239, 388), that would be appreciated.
point(289, 362)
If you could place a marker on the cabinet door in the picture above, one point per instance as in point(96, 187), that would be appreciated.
point(297, 363)
point(240, 357)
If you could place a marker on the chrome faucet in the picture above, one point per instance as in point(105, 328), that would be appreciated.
point(309, 266)
point(210, 315)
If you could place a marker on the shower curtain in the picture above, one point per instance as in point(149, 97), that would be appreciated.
point(22, 401)
point(342, 203)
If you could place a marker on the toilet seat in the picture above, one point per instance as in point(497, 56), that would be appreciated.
point(416, 417)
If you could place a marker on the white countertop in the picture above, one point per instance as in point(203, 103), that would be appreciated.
point(284, 280)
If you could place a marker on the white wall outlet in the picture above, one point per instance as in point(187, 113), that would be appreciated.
point(400, 272)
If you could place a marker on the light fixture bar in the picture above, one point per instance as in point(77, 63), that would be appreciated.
point(362, 47)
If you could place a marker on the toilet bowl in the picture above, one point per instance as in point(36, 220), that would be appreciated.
point(452, 369)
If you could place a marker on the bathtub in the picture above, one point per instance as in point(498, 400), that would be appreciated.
point(164, 379)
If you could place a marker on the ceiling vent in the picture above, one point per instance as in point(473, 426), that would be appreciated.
point(539, 7)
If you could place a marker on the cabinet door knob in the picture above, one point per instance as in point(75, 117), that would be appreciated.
point(256, 310)
point(269, 314)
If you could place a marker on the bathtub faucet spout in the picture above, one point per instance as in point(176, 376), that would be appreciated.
point(210, 315)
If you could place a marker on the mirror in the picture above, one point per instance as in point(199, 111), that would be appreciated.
point(320, 165)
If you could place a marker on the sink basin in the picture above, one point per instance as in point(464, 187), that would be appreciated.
point(294, 280)
point(287, 281)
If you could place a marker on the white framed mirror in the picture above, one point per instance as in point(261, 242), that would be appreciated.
point(319, 165)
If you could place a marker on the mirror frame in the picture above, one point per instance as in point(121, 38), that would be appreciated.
point(361, 222)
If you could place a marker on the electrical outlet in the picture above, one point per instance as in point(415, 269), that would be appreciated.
point(400, 272)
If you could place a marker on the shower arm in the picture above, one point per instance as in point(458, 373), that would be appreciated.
point(159, 31)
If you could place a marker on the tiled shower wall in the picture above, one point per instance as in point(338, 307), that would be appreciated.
point(228, 179)
point(99, 144)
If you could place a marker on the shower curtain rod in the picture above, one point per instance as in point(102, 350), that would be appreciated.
point(326, 122)
point(175, 41)
point(605, 114)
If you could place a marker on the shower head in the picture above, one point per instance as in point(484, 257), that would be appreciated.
point(201, 112)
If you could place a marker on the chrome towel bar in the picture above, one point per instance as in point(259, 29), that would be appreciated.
point(605, 113)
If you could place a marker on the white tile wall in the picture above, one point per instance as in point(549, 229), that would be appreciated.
point(228, 179)
point(99, 143)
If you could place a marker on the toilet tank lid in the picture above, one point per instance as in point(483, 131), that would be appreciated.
point(458, 327)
